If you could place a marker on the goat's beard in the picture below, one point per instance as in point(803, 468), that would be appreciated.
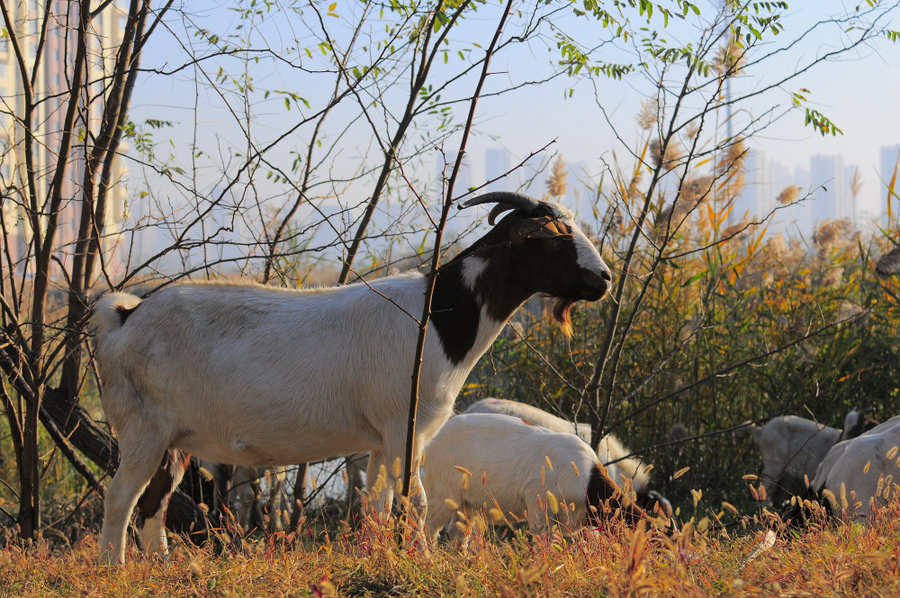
point(562, 315)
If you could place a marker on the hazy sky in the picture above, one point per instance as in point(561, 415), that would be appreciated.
point(859, 92)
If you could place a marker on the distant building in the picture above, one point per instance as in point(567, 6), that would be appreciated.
point(791, 220)
point(50, 95)
point(496, 165)
point(889, 164)
point(831, 190)
point(757, 197)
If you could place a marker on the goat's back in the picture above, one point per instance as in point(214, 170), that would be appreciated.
point(794, 446)
point(255, 375)
point(530, 413)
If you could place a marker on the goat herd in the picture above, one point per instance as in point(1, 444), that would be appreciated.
point(258, 376)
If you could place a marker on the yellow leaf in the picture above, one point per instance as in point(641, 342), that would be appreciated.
point(680, 472)
point(724, 214)
point(552, 502)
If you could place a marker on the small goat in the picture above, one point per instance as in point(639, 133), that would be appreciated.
point(792, 448)
point(492, 461)
point(609, 449)
point(862, 472)
point(254, 375)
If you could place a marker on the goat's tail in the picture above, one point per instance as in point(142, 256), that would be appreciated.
point(111, 311)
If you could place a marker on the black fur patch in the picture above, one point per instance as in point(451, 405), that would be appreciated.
point(157, 493)
point(124, 313)
point(605, 496)
point(455, 312)
point(600, 487)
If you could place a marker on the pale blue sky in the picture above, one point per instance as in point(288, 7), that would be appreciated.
point(859, 93)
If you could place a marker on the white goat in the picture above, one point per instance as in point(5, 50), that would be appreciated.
point(791, 447)
point(860, 473)
point(609, 449)
point(255, 375)
point(484, 461)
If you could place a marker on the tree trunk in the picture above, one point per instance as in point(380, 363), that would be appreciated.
point(29, 487)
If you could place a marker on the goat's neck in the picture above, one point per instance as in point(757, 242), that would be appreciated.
point(467, 291)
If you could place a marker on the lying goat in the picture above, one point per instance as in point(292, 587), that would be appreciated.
point(609, 449)
point(484, 461)
point(861, 473)
point(792, 448)
point(254, 375)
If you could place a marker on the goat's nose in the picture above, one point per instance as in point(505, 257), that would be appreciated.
point(598, 283)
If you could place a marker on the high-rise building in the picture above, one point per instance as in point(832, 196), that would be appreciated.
point(831, 190)
point(889, 168)
point(50, 96)
point(757, 198)
point(496, 165)
point(791, 219)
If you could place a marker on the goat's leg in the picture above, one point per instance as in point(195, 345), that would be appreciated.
point(136, 468)
point(439, 516)
point(537, 512)
point(355, 466)
point(154, 501)
point(275, 503)
point(418, 502)
point(379, 482)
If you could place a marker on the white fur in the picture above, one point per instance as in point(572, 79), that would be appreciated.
point(791, 447)
point(347, 392)
point(863, 471)
point(609, 449)
point(473, 267)
point(508, 461)
point(588, 257)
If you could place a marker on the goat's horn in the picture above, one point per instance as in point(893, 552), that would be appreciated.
point(505, 200)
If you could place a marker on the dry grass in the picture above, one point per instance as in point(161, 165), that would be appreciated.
point(834, 560)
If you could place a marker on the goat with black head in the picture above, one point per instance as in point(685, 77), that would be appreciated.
point(255, 375)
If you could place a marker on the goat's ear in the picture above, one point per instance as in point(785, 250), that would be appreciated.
point(543, 227)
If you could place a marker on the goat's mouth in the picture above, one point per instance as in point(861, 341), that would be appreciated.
point(594, 286)
point(594, 294)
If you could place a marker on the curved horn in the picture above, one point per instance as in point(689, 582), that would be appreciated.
point(505, 200)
